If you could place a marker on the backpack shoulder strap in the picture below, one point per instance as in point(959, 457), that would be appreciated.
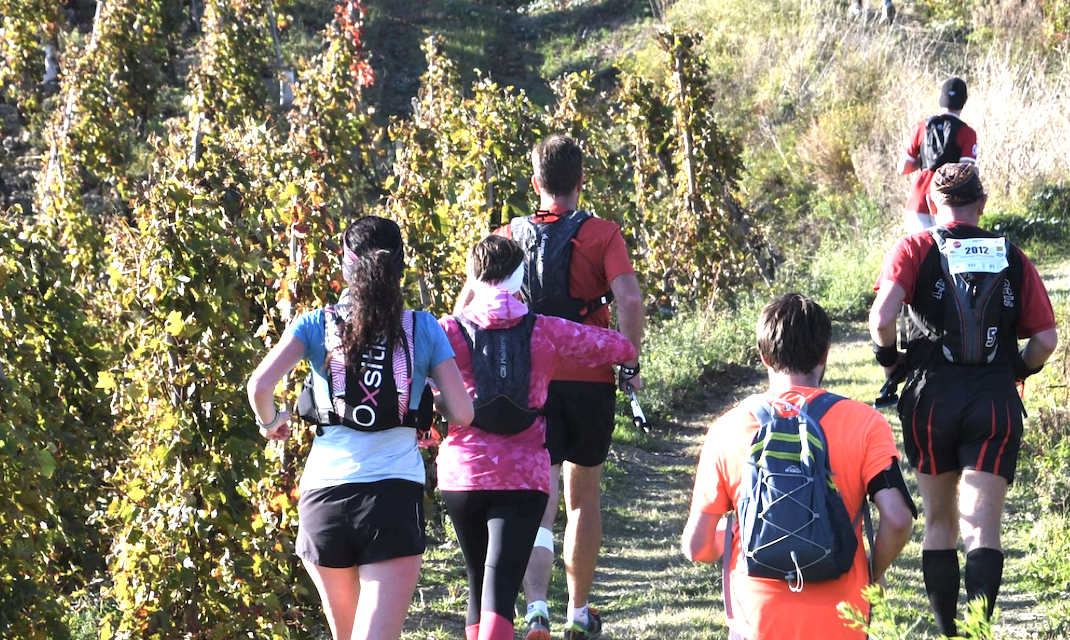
point(819, 406)
point(762, 409)
point(468, 330)
point(759, 407)
point(726, 558)
point(522, 230)
point(408, 337)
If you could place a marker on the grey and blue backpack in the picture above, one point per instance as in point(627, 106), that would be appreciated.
point(793, 524)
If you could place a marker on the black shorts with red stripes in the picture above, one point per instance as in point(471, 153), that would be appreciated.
point(961, 417)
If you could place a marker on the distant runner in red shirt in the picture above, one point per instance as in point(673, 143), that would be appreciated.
point(933, 142)
point(970, 296)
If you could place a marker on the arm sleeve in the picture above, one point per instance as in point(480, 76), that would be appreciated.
point(712, 493)
point(434, 336)
point(1037, 313)
point(587, 345)
point(901, 266)
point(616, 260)
point(967, 141)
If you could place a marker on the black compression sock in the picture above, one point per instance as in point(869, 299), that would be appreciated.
point(940, 567)
point(984, 574)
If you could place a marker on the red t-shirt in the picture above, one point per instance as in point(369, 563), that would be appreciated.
point(860, 446)
point(902, 263)
point(599, 256)
point(966, 138)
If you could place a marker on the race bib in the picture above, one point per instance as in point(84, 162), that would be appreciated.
point(975, 255)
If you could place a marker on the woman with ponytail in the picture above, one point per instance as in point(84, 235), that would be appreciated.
point(495, 473)
point(361, 533)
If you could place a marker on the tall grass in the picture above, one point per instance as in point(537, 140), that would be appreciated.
point(803, 76)
point(683, 353)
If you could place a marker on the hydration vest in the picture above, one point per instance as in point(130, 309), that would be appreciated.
point(966, 300)
point(940, 145)
point(369, 393)
point(501, 362)
point(548, 259)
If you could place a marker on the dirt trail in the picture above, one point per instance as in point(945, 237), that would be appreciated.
point(645, 586)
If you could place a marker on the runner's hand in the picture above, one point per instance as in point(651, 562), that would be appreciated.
point(635, 383)
point(281, 431)
point(901, 361)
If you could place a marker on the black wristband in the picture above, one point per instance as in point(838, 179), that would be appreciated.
point(886, 356)
point(627, 373)
point(1021, 372)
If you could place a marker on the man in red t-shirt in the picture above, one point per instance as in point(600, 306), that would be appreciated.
point(794, 334)
point(581, 401)
point(961, 413)
point(918, 214)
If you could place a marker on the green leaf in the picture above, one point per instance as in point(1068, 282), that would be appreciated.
point(46, 462)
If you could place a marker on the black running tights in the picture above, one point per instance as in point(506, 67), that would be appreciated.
point(495, 530)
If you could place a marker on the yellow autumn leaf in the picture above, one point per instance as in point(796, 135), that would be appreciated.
point(106, 381)
point(174, 323)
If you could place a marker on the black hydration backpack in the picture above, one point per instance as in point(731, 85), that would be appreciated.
point(548, 256)
point(501, 361)
point(371, 393)
point(940, 146)
point(967, 307)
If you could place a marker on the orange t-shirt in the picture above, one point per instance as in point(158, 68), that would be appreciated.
point(860, 445)
point(599, 255)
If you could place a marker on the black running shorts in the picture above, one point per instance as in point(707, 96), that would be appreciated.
point(579, 421)
point(959, 417)
point(361, 523)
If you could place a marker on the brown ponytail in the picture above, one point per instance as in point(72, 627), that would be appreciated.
point(372, 263)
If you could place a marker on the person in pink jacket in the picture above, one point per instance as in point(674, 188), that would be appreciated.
point(495, 484)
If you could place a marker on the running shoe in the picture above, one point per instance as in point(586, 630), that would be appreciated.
point(593, 630)
point(538, 628)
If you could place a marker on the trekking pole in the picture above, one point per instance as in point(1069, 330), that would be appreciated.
point(638, 416)
point(888, 393)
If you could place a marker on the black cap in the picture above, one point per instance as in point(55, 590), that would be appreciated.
point(953, 94)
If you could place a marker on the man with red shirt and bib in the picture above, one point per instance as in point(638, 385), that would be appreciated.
point(970, 296)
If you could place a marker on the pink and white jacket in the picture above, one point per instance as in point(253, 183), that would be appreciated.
point(470, 459)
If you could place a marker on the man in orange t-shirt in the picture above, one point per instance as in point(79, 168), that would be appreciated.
point(793, 340)
point(581, 401)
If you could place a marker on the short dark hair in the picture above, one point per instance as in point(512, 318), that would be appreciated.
point(494, 258)
point(793, 334)
point(558, 165)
